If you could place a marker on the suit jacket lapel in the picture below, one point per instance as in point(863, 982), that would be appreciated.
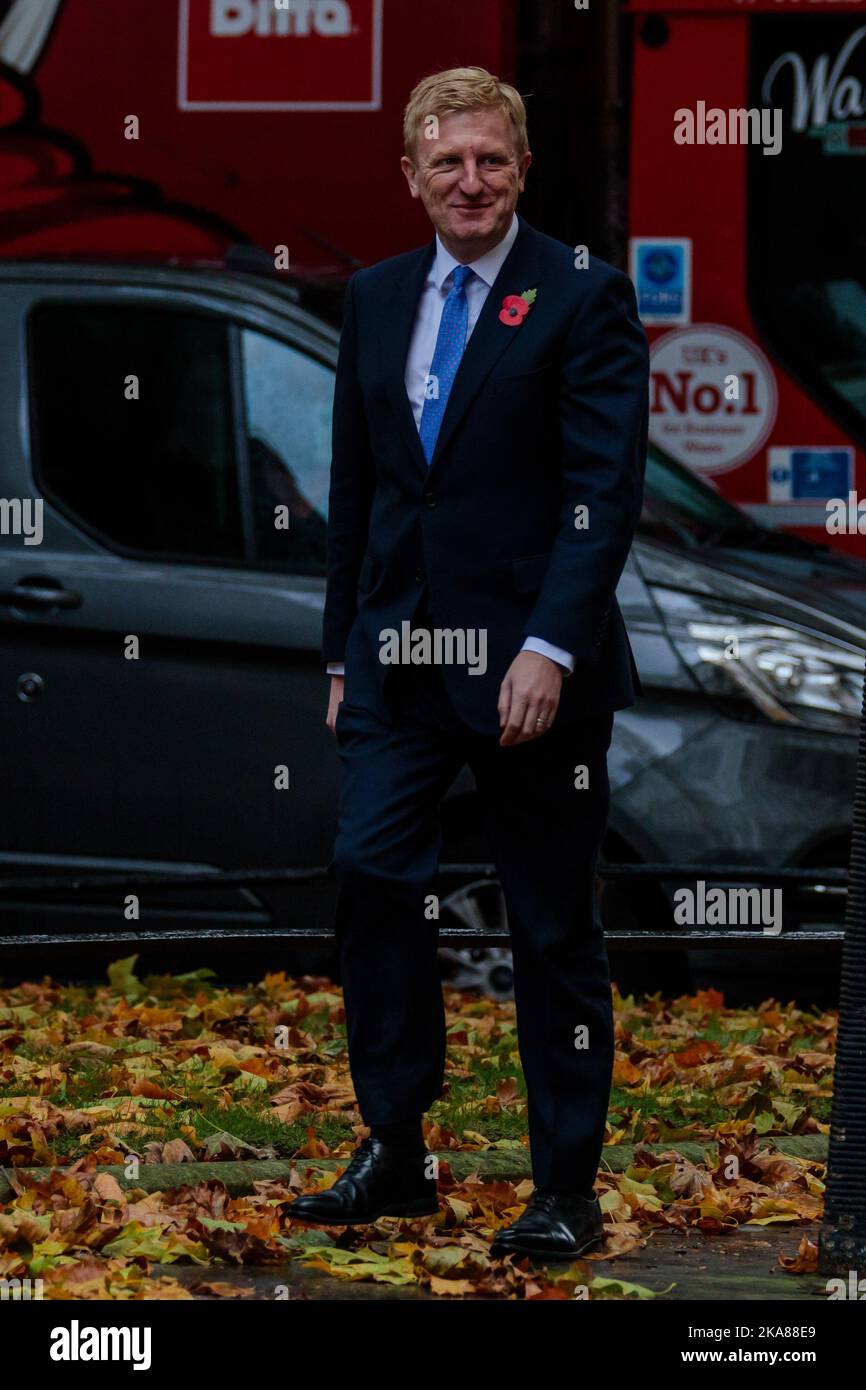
point(398, 321)
point(521, 270)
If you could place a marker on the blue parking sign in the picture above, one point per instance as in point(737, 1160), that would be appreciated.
point(809, 474)
point(661, 268)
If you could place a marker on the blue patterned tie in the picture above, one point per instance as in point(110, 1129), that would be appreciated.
point(446, 358)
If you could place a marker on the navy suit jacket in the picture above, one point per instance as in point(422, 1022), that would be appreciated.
point(543, 417)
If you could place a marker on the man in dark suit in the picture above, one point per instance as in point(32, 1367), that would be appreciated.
point(490, 421)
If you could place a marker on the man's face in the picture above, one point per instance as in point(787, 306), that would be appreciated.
point(468, 179)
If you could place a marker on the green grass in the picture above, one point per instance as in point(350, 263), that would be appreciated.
point(250, 1118)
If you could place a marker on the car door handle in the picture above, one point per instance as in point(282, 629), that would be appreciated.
point(40, 593)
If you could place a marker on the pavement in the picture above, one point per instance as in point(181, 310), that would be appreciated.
point(691, 1265)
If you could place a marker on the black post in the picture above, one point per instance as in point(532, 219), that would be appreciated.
point(842, 1245)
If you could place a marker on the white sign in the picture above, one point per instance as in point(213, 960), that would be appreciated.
point(713, 397)
point(298, 55)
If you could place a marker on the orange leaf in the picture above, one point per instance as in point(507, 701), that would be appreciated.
point(805, 1261)
point(141, 1087)
point(697, 1054)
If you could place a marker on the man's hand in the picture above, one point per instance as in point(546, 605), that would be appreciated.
point(336, 699)
point(529, 692)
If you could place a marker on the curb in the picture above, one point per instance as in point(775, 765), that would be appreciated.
point(508, 1165)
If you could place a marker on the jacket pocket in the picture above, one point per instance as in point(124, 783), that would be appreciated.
point(529, 572)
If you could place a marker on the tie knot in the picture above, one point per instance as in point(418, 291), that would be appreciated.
point(460, 275)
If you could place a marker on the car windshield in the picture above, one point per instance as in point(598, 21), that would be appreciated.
point(680, 507)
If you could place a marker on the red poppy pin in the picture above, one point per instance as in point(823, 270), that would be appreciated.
point(515, 307)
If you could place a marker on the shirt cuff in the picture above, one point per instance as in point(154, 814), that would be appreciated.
point(537, 644)
point(335, 668)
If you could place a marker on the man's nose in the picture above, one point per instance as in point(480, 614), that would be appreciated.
point(470, 180)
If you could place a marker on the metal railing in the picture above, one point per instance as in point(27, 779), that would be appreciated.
point(34, 888)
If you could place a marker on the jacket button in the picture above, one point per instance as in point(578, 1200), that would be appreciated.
point(419, 576)
point(429, 499)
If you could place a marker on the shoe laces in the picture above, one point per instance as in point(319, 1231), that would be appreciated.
point(544, 1198)
point(360, 1153)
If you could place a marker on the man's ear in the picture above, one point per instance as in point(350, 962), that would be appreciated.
point(411, 176)
point(524, 169)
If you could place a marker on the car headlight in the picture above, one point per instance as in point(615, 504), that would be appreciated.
point(791, 674)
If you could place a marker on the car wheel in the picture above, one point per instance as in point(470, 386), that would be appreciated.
point(478, 907)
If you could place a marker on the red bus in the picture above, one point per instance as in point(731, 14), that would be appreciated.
point(750, 255)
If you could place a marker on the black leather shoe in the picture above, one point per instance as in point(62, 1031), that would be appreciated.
point(379, 1181)
point(554, 1226)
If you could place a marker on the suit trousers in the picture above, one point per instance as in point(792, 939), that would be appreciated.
point(545, 833)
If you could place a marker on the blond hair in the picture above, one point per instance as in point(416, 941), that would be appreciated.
point(464, 89)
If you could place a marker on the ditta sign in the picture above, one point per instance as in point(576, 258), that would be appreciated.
point(280, 55)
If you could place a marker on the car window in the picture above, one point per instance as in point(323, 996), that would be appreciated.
point(132, 426)
point(806, 210)
point(288, 399)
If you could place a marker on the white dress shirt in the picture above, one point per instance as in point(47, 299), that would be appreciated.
point(437, 288)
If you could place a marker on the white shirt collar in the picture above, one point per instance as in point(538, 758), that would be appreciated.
point(487, 267)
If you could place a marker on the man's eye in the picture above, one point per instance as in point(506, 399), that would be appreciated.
point(495, 159)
